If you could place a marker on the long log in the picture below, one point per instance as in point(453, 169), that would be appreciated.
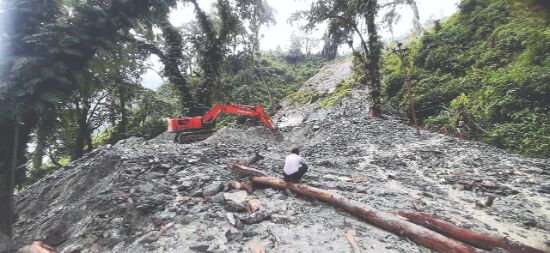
point(477, 239)
point(386, 221)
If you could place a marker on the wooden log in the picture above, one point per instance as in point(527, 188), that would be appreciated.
point(477, 239)
point(38, 247)
point(386, 221)
point(247, 170)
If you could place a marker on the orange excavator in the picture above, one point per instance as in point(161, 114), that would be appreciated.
point(191, 129)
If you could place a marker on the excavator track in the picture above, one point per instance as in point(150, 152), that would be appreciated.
point(190, 137)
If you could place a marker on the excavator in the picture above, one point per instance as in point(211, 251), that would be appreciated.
point(192, 129)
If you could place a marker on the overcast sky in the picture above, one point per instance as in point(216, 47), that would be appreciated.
point(278, 35)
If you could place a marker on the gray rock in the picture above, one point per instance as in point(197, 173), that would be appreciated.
point(250, 232)
point(197, 193)
point(160, 217)
point(256, 217)
point(181, 173)
point(233, 234)
point(218, 198)
point(150, 237)
point(147, 187)
point(205, 178)
point(213, 188)
point(234, 220)
point(186, 185)
point(200, 247)
point(163, 167)
point(193, 160)
point(171, 172)
point(238, 197)
point(234, 207)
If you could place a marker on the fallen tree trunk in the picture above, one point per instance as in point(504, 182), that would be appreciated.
point(477, 239)
point(387, 221)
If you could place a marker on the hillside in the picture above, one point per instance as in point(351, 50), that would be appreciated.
point(157, 196)
point(491, 61)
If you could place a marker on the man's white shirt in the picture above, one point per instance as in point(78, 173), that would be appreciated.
point(292, 163)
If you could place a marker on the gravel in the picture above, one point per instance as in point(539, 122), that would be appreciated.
point(156, 196)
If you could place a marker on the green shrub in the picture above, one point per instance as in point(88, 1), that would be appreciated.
point(304, 96)
point(342, 90)
point(490, 61)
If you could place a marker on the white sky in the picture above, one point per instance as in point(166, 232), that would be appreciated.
point(279, 34)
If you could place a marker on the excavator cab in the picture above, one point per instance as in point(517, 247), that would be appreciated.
point(179, 124)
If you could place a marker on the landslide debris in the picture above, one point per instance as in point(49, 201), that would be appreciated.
point(156, 196)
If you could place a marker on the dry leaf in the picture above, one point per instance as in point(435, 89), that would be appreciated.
point(350, 235)
point(256, 247)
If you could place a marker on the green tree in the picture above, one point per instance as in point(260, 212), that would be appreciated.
point(491, 62)
point(335, 35)
point(391, 17)
point(40, 60)
point(257, 13)
point(351, 13)
point(210, 44)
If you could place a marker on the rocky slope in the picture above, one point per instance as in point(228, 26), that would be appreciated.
point(156, 196)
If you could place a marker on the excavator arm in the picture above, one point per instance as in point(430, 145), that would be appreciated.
point(248, 110)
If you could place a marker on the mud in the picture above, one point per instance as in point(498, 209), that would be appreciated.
point(156, 196)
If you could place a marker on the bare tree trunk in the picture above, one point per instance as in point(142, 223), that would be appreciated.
point(172, 61)
point(122, 126)
point(373, 64)
point(478, 239)
point(82, 128)
point(41, 137)
point(6, 191)
point(332, 39)
point(11, 156)
point(386, 221)
point(89, 144)
point(418, 29)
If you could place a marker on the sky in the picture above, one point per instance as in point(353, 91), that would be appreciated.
point(278, 35)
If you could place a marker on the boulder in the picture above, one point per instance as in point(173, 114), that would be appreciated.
point(213, 188)
point(238, 197)
point(150, 237)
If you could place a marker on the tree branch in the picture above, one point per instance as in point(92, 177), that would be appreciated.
point(355, 28)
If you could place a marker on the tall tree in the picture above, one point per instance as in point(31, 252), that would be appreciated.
point(170, 51)
point(375, 50)
point(211, 46)
point(40, 60)
point(392, 16)
point(352, 14)
point(334, 36)
point(256, 13)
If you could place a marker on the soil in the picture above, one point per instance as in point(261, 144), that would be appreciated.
point(157, 196)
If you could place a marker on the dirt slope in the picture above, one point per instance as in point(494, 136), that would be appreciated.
point(155, 196)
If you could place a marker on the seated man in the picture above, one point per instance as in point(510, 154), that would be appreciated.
point(295, 167)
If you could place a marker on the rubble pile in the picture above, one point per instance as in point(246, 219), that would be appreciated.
point(156, 196)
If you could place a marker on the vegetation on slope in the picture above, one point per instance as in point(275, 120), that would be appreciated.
point(490, 61)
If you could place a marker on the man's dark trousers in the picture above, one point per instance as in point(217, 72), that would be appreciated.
point(296, 176)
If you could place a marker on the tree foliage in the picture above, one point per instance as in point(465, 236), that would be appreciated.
point(42, 57)
point(490, 61)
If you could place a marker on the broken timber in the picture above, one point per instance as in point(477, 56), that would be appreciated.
point(478, 239)
point(387, 221)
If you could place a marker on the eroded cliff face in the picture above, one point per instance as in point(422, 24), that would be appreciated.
point(157, 196)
